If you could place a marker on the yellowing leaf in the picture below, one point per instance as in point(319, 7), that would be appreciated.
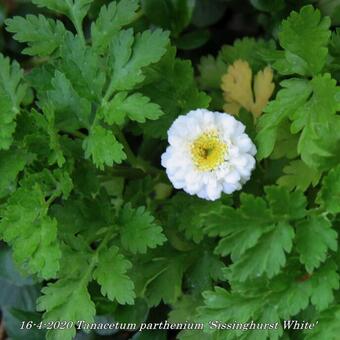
point(239, 92)
point(263, 89)
point(236, 84)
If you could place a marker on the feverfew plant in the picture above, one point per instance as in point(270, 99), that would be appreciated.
point(90, 214)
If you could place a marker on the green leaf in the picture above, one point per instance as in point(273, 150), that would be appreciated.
point(173, 76)
point(248, 49)
point(299, 175)
point(222, 305)
point(293, 296)
point(11, 163)
point(111, 275)
point(284, 204)
point(136, 107)
point(324, 281)
point(207, 269)
point(47, 123)
point(289, 99)
point(242, 228)
point(268, 5)
point(304, 36)
point(192, 40)
point(76, 10)
point(317, 111)
point(183, 309)
point(207, 13)
point(69, 300)
point(286, 143)
point(102, 146)
point(329, 195)
point(211, 71)
point(174, 15)
point(258, 234)
point(32, 234)
point(314, 237)
point(42, 35)
point(328, 326)
point(166, 284)
point(60, 6)
point(187, 214)
point(313, 115)
point(82, 67)
point(267, 256)
point(129, 55)
point(110, 21)
point(71, 111)
point(12, 93)
point(139, 230)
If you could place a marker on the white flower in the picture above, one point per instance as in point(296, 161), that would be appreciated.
point(209, 153)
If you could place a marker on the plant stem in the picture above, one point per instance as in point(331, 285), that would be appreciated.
point(125, 172)
point(132, 159)
point(138, 15)
point(79, 134)
point(77, 24)
point(137, 163)
point(94, 259)
point(79, 30)
point(52, 198)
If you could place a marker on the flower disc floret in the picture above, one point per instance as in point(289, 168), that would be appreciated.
point(209, 153)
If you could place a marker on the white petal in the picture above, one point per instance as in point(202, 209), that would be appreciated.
point(229, 176)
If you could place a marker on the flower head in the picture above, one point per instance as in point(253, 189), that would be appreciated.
point(209, 153)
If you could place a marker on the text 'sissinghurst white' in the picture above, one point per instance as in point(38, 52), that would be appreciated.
point(209, 153)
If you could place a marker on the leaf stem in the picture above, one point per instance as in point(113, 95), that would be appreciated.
point(126, 172)
point(138, 15)
point(79, 30)
point(94, 260)
point(136, 162)
point(79, 134)
point(132, 159)
point(52, 198)
point(77, 24)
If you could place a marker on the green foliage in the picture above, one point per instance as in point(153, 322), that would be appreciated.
point(173, 76)
point(32, 233)
point(129, 55)
point(313, 237)
point(309, 105)
point(69, 300)
point(110, 20)
point(114, 283)
point(328, 195)
point(43, 35)
point(11, 163)
point(258, 234)
point(138, 230)
point(12, 92)
point(136, 107)
point(304, 37)
point(103, 147)
point(293, 94)
point(299, 175)
point(174, 14)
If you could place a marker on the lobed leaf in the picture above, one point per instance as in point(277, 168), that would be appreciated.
point(139, 230)
point(42, 35)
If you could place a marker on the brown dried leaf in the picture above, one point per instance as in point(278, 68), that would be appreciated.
point(238, 92)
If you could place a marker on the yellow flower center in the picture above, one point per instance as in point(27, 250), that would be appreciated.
point(208, 151)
